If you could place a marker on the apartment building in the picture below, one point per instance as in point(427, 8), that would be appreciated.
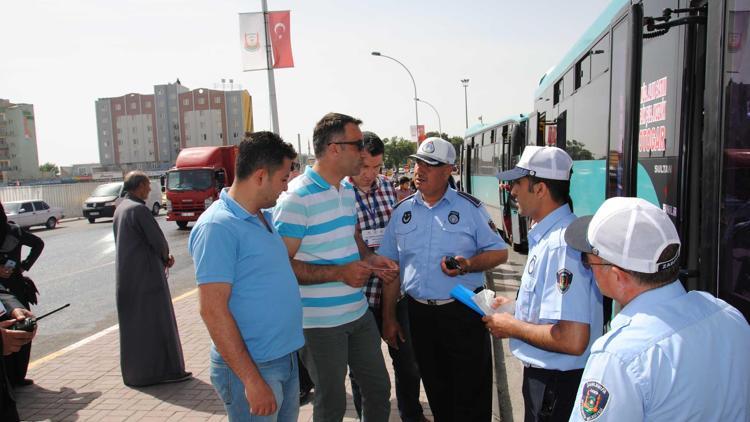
point(19, 155)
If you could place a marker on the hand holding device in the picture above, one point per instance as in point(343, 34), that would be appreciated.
point(29, 324)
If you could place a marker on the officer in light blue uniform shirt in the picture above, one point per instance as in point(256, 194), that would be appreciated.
point(559, 308)
point(451, 345)
point(669, 355)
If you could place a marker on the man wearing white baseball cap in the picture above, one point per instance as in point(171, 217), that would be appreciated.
point(669, 354)
point(451, 345)
point(559, 308)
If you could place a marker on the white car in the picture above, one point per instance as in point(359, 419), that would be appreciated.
point(33, 213)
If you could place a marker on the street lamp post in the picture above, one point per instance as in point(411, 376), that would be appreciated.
point(416, 97)
point(465, 83)
point(440, 125)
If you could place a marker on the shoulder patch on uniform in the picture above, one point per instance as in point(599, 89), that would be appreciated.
point(406, 218)
point(403, 200)
point(594, 400)
point(477, 203)
point(564, 279)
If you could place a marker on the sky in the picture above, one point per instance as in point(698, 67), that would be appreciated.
point(62, 56)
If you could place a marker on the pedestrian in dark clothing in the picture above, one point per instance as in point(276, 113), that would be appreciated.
point(10, 341)
point(150, 350)
point(12, 239)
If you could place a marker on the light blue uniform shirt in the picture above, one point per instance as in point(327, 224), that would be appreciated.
point(556, 287)
point(419, 236)
point(230, 245)
point(670, 356)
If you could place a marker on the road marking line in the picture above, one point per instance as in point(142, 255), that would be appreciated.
point(79, 271)
point(93, 337)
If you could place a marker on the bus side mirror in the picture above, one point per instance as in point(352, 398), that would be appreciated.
point(163, 185)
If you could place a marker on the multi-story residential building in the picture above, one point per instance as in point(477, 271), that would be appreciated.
point(19, 156)
point(148, 131)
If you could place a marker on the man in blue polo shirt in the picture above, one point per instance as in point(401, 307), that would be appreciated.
point(249, 299)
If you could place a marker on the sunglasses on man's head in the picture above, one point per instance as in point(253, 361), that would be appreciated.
point(359, 144)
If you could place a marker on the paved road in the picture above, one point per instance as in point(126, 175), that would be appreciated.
point(77, 267)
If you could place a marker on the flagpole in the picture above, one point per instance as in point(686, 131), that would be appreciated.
point(271, 81)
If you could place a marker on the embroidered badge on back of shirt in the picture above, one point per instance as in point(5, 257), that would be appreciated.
point(593, 400)
point(406, 218)
point(453, 217)
point(564, 278)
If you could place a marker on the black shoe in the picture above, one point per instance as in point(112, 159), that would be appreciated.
point(305, 396)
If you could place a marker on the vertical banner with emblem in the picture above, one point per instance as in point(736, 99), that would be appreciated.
point(417, 133)
point(253, 41)
point(281, 39)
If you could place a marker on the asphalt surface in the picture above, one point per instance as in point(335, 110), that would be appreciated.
point(77, 266)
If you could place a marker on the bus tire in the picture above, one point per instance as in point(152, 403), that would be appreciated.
point(182, 224)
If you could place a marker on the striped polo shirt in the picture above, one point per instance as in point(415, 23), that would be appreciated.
point(325, 219)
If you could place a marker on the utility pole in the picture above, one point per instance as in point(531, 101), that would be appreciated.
point(271, 81)
point(465, 83)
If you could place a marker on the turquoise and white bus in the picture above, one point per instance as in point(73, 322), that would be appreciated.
point(654, 101)
point(488, 149)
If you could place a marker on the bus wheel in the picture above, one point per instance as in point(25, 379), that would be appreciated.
point(91, 220)
point(182, 224)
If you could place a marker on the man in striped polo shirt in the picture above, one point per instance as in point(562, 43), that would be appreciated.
point(317, 219)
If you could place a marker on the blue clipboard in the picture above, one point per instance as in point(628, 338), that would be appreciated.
point(464, 295)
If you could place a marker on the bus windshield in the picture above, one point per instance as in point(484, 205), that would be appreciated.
point(189, 180)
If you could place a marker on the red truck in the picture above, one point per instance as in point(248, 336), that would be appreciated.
point(198, 176)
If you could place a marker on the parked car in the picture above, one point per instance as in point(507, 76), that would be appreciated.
point(105, 198)
point(33, 213)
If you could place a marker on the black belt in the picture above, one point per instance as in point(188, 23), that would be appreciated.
point(438, 302)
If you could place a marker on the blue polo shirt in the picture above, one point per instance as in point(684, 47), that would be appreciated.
point(230, 245)
point(556, 287)
point(670, 356)
point(418, 236)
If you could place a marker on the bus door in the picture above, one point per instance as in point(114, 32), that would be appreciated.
point(733, 154)
point(469, 165)
point(670, 133)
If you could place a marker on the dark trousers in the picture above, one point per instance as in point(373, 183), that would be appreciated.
point(405, 369)
point(453, 352)
point(17, 364)
point(549, 395)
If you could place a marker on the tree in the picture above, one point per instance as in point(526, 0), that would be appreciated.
point(397, 151)
point(577, 151)
point(48, 168)
point(457, 141)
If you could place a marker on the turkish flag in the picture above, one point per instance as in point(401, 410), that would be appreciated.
point(281, 39)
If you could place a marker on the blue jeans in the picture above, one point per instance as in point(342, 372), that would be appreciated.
point(280, 375)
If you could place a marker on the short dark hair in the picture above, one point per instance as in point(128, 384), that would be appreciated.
point(331, 124)
point(559, 190)
point(373, 144)
point(262, 150)
point(133, 180)
point(664, 276)
point(403, 179)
